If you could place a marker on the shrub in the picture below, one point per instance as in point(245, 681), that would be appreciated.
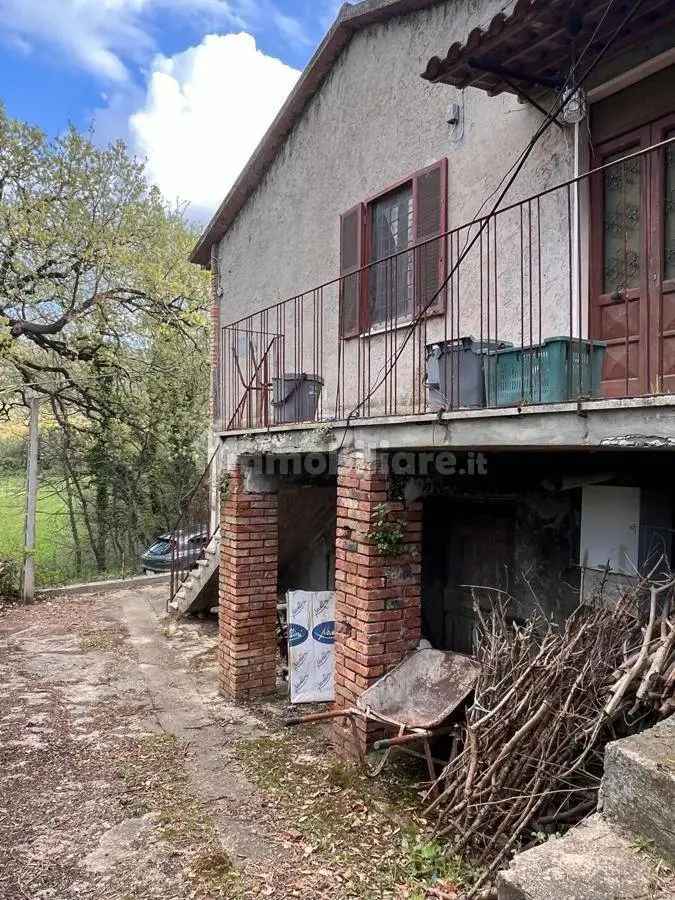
point(10, 577)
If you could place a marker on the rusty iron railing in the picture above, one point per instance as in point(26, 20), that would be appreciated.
point(197, 525)
point(392, 337)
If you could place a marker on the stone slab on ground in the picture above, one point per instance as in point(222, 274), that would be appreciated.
point(638, 789)
point(592, 862)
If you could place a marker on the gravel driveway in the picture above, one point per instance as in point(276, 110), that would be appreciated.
point(124, 775)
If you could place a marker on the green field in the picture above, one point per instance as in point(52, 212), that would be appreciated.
point(55, 556)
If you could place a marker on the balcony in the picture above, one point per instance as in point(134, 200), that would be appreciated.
point(562, 296)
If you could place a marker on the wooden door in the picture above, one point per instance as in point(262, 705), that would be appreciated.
point(619, 272)
point(633, 262)
point(662, 260)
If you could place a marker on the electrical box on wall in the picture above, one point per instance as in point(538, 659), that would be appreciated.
point(624, 528)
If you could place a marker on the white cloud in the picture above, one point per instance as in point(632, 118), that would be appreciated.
point(205, 111)
point(195, 116)
point(291, 28)
point(101, 36)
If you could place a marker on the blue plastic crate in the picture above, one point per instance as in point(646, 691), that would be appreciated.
point(558, 370)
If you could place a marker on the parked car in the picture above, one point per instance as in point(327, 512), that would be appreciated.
point(159, 556)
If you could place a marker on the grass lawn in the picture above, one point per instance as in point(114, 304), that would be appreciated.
point(55, 558)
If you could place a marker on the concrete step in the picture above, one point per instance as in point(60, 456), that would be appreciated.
point(638, 787)
point(594, 861)
point(189, 595)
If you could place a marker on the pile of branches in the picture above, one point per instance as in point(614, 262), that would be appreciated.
point(547, 701)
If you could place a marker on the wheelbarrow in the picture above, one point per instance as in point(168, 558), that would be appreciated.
point(417, 697)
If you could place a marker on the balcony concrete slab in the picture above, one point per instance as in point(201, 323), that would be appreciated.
point(631, 424)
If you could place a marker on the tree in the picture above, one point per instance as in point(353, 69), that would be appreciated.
point(88, 251)
point(102, 314)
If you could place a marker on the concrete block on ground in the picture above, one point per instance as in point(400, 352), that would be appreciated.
point(638, 788)
point(594, 861)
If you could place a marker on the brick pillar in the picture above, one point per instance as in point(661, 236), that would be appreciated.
point(378, 598)
point(248, 591)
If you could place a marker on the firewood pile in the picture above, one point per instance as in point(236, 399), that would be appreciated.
point(548, 700)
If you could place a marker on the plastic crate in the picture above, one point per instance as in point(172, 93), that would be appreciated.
point(556, 371)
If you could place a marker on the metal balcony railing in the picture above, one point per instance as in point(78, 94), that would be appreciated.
point(556, 300)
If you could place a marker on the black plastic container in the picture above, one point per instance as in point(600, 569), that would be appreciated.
point(295, 397)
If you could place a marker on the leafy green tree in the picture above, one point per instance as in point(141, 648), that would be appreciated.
point(102, 315)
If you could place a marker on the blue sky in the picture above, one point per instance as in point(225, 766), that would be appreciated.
point(190, 84)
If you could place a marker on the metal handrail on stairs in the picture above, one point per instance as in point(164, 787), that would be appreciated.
point(196, 527)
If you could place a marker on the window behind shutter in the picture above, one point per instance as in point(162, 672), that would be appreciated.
point(351, 254)
point(430, 189)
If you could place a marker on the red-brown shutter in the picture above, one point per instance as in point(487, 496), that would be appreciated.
point(351, 260)
point(430, 195)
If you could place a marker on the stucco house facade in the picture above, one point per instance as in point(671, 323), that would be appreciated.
point(494, 387)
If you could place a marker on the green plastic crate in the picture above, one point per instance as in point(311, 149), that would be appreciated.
point(558, 370)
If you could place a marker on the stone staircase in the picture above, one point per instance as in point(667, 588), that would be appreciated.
point(622, 852)
point(194, 594)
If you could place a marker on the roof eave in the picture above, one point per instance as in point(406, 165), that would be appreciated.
point(536, 41)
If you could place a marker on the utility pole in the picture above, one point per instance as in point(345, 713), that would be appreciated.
point(31, 499)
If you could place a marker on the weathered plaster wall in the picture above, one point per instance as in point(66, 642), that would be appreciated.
point(374, 122)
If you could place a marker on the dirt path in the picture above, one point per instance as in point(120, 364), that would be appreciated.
point(123, 773)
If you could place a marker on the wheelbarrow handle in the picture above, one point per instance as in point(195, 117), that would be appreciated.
point(411, 738)
point(402, 739)
point(319, 717)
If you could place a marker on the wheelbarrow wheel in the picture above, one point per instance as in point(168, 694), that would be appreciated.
point(372, 771)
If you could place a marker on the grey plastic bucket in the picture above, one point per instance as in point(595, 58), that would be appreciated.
point(455, 376)
point(295, 397)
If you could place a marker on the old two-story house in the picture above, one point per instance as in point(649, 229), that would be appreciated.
point(414, 393)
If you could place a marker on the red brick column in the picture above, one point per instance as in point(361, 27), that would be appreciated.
point(378, 598)
point(248, 591)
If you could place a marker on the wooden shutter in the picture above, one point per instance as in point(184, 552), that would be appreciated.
point(351, 260)
point(430, 195)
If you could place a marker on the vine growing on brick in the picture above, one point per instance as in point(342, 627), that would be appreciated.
point(387, 533)
point(225, 486)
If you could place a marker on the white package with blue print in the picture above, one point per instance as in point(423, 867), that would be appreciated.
point(311, 645)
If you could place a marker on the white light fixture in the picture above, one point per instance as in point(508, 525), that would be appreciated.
point(575, 107)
